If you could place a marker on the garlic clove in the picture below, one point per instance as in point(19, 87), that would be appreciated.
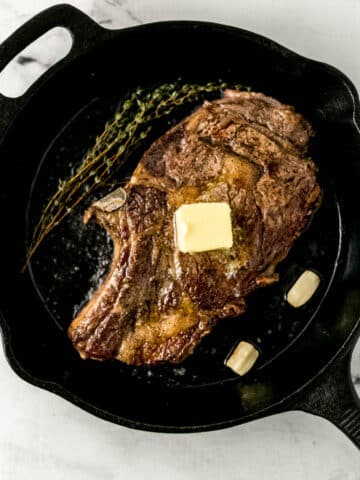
point(303, 289)
point(242, 358)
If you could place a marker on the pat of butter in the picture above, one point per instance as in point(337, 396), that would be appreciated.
point(203, 226)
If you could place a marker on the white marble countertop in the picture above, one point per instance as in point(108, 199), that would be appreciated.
point(43, 436)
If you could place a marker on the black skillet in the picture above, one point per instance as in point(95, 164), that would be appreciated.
point(305, 353)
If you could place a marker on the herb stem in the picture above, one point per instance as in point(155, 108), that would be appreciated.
point(130, 126)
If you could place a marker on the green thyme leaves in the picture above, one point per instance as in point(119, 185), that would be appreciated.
point(130, 126)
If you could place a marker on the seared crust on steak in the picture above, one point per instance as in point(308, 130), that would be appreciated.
point(157, 303)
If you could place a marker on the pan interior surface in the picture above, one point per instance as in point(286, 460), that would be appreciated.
point(50, 136)
point(73, 261)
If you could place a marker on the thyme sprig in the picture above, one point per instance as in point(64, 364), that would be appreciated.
point(130, 126)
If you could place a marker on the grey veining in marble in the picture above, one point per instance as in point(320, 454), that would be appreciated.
point(43, 436)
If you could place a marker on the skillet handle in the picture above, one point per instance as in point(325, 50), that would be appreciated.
point(84, 31)
point(335, 399)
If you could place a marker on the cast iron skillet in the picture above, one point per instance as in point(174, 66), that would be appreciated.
point(305, 352)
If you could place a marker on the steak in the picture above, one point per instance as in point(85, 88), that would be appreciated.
point(157, 303)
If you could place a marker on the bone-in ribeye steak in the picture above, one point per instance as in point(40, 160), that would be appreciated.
point(157, 303)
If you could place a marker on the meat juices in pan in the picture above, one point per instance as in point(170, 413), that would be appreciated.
point(157, 303)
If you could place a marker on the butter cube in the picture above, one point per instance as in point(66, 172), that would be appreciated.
point(201, 227)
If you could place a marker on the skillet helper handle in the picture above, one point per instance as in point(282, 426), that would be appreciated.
point(83, 30)
point(335, 399)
